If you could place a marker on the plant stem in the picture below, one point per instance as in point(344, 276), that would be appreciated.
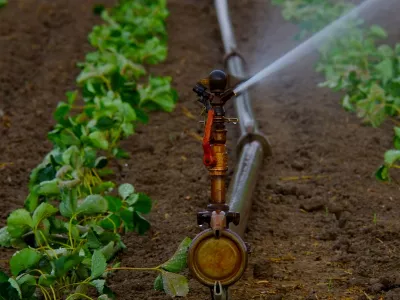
point(134, 269)
point(79, 294)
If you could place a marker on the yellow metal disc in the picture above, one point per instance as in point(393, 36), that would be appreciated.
point(223, 259)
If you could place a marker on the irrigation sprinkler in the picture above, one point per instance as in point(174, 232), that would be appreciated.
point(217, 256)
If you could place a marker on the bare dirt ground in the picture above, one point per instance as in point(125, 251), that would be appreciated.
point(333, 236)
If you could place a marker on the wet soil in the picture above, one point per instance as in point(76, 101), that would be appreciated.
point(321, 226)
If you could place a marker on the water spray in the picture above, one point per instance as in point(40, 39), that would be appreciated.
point(306, 47)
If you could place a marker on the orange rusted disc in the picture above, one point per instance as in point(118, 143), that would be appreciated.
point(223, 259)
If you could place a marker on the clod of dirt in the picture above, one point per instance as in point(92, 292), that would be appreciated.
point(328, 235)
point(298, 165)
point(344, 217)
point(311, 296)
point(312, 205)
point(393, 294)
point(275, 297)
point(263, 270)
point(375, 288)
point(342, 244)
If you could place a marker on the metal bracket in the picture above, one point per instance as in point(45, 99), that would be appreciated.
point(219, 292)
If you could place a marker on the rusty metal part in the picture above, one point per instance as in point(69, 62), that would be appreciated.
point(222, 259)
point(220, 168)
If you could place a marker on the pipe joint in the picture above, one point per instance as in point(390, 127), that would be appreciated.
point(251, 137)
point(233, 53)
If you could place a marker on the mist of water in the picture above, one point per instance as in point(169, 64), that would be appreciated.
point(309, 45)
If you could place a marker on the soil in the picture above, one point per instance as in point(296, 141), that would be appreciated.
point(333, 235)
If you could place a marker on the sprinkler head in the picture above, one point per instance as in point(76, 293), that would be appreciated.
point(217, 81)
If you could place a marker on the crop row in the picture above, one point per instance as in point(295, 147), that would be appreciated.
point(358, 64)
point(69, 231)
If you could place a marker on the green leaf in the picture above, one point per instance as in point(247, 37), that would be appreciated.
point(3, 277)
point(43, 211)
point(109, 250)
point(114, 203)
point(396, 139)
point(15, 285)
point(93, 242)
point(72, 157)
point(382, 174)
point(32, 201)
point(47, 280)
point(23, 260)
point(385, 69)
point(178, 261)
point(68, 204)
point(66, 263)
point(48, 188)
point(386, 51)
point(141, 203)
point(71, 96)
point(68, 138)
point(347, 104)
point(378, 31)
point(3, 2)
point(5, 237)
point(158, 283)
point(175, 284)
point(391, 157)
point(396, 142)
point(127, 218)
point(27, 284)
point(93, 204)
point(99, 140)
point(158, 94)
point(99, 285)
point(112, 222)
point(125, 190)
point(105, 123)
point(19, 222)
point(62, 111)
point(119, 153)
point(141, 224)
point(99, 264)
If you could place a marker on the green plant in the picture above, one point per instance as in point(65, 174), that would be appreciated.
point(368, 73)
point(311, 15)
point(3, 2)
point(375, 219)
point(70, 229)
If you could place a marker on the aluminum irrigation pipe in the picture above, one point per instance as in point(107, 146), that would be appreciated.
point(252, 145)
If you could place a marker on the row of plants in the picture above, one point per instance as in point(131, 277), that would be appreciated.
point(70, 229)
point(358, 63)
